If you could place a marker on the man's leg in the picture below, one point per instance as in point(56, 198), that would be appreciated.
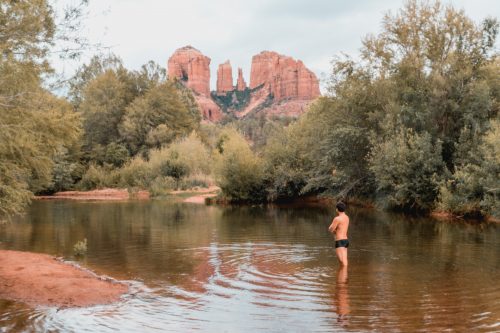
point(342, 255)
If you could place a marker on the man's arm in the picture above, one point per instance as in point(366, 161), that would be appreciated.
point(334, 225)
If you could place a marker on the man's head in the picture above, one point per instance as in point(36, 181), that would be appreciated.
point(340, 206)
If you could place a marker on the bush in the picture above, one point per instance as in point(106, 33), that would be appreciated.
point(194, 181)
point(284, 166)
point(116, 154)
point(407, 169)
point(64, 172)
point(99, 177)
point(189, 151)
point(162, 186)
point(174, 169)
point(80, 248)
point(239, 172)
point(136, 173)
point(474, 188)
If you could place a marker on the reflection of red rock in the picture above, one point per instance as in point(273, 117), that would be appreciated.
point(241, 84)
point(277, 271)
point(192, 67)
point(283, 76)
point(203, 270)
point(224, 78)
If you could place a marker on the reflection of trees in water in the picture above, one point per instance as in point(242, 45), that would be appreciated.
point(419, 270)
point(403, 271)
point(275, 224)
point(143, 239)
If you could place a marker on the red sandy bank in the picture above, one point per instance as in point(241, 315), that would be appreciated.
point(40, 279)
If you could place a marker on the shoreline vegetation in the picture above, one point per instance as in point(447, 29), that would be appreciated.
point(212, 195)
point(410, 125)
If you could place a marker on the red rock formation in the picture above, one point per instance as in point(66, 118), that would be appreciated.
point(290, 84)
point(240, 84)
point(209, 109)
point(192, 67)
point(224, 78)
point(283, 77)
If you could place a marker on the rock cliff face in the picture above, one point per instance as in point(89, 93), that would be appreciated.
point(279, 85)
point(241, 85)
point(191, 67)
point(224, 78)
point(284, 77)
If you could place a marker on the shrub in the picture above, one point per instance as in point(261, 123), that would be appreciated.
point(99, 177)
point(116, 154)
point(136, 173)
point(161, 186)
point(80, 248)
point(194, 181)
point(474, 188)
point(239, 172)
point(407, 168)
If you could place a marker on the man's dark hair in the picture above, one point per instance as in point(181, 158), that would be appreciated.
point(340, 206)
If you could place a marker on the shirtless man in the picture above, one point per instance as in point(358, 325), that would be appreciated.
point(339, 226)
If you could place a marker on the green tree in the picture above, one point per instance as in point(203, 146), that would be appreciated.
point(428, 80)
point(239, 172)
point(407, 167)
point(87, 73)
point(162, 105)
point(34, 124)
point(474, 188)
point(103, 107)
point(284, 166)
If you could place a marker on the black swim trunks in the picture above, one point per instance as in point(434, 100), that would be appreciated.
point(342, 243)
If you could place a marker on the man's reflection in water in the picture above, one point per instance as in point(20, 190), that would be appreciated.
point(342, 296)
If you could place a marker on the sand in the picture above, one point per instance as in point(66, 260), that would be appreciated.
point(40, 279)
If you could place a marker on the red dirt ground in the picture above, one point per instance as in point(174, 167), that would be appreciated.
point(103, 194)
point(40, 279)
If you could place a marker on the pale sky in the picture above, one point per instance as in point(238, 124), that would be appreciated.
point(311, 30)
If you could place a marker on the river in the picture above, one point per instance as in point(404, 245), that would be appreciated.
point(262, 269)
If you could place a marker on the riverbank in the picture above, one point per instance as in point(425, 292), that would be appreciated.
point(199, 196)
point(441, 215)
point(106, 194)
point(196, 195)
point(211, 195)
point(40, 279)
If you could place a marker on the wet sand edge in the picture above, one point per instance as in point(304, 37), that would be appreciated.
point(41, 279)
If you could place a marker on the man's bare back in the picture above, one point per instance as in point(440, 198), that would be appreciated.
point(339, 226)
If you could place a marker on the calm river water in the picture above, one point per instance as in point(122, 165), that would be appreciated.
point(263, 269)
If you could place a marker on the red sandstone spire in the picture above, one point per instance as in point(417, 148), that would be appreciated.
point(240, 84)
point(224, 78)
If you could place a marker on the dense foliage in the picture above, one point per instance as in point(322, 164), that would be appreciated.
point(34, 124)
point(412, 125)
